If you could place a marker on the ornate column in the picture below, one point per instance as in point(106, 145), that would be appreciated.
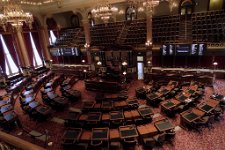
point(18, 50)
point(23, 53)
point(44, 42)
point(149, 26)
point(22, 49)
point(87, 34)
point(149, 39)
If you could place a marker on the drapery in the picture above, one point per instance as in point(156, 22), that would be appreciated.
point(11, 47)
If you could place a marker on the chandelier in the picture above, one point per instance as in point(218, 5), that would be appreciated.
point(15, 16)
point(104, 11)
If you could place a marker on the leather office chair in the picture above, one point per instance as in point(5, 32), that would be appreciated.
point(149, 143)
point(130, 141)
point(96, 145)
point(116, 146)
point(160, 138)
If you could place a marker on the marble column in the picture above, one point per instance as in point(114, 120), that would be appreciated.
point(23, 54)
point(149, 40)
point(43, 32)
point(86, 27)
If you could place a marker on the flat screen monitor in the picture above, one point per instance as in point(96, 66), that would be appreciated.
point(55, 52)
point(168, 50)
point(183, 49)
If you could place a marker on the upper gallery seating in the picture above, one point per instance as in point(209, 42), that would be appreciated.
point(206, 27)
point(70, 37)
point(105, 34)
point(165, 29)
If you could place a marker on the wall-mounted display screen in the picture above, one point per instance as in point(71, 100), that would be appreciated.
point(70, 51)
point(55, 52)
point(183, 49)
point(168, 50)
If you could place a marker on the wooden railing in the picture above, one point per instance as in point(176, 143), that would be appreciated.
point(18, 143)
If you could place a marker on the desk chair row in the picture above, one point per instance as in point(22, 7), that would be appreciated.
point(112, 119)
point(130, 135)
point(182, 101)
point(7, 115)
point(107, 106)
point(203, 115)
point(162, 93)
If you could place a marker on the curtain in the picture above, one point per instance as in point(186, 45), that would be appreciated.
point(2, 58)
point(28, 45)
point(37, 43)
point(9, 43)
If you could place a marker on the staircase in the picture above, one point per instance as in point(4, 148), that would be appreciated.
point(185, 32)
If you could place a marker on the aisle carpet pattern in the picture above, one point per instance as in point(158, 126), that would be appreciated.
point(208, 139)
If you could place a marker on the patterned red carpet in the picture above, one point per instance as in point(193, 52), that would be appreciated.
point(213, 139)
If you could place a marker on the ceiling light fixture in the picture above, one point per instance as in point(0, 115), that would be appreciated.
point(14, 15)
point(104, 10)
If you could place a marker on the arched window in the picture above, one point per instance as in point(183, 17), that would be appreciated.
point(75, 21)
point(52, 38)
point(186, 7)
point(10, 66)
point(131, 13)
point(37, 62)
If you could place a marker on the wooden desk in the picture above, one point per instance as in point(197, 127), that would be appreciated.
point(73, 116)
point(132, 102)
point(114, 135)
point(106, 105)
point(100, 134)
point(208, 106)
point(116, 115)
point(187, 117)
point(135, 114)
point(6, 108)
point(94, 116)
point(3, 102)
point(86, 136)
point(105, 117)
point(164, 125)
point(147, 130)
point(88, 105)
point(43, 110)
point(127, 115)
point(145, 111)
point(128, 131)
point(28, 99)
point(10, 116)
point(27, 93)
point(169, 104)
point(72, 135)
point(34, 104)
point(83, 117)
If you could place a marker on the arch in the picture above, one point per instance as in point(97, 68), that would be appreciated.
point(75, 21)
point(186, 2)
point(51, 23)
point(186, 7)
point(131, 13)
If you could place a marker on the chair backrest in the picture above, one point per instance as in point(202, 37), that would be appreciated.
point(211, 118)
point(149, 142)
point(162, 137)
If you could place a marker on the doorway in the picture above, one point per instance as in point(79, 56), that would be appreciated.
point(140, 67)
